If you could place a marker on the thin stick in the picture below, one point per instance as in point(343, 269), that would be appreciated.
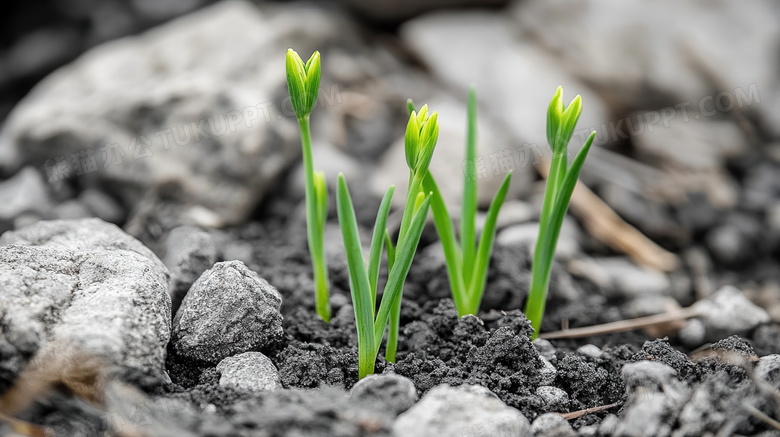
point(760, 415)
point(623, 325)
point(577, 414)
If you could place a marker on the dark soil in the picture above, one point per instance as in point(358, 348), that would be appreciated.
point(437, 347)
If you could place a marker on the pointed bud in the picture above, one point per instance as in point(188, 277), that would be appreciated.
point(303, 82)
point(411, 140)
point(561, 121)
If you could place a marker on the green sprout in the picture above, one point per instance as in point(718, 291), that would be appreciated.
point(303, 82)
point(467, 263)
point(363, 280)
point(560, 186)
point(422, 132)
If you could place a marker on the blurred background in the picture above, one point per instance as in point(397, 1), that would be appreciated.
point(157, 113)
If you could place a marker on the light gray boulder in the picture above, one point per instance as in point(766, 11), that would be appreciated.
point(86, 285)
point(192, 111)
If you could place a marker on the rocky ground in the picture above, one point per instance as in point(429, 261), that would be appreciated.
point(154, 274)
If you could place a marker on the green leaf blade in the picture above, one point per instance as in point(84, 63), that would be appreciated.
point(452, 254)
point(358, 279)
point(377, 243)
point(469, 206)
point(477, 285)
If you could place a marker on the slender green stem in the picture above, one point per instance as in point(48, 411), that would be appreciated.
point(395, 313)
point(314, 226)
point(547, 240)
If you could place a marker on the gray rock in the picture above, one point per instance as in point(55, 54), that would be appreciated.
point(649, 304)
point(547, 373)
point(693, 333)
point(590, 351)
point(83, 234)
point(545, 348)
point(619, 277)
point(388, 392)
point(189, 251)
point(250, 371)
point(655, 396)
point(768, 369)
point(552, 395)
point(728, 312)
point(551, 425)
point(25, 192)
point(88, 286)
point(734, 243)
point(468, 410)
point(608, 425)
point(228, 310)
point(188, 111)
point(588, 431)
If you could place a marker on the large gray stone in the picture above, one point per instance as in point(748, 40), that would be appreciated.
point(468, 410)
point(191, 111)
point(228, 310)
point(86, 285)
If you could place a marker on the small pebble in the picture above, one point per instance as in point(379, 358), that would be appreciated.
point(389, 392)
point(552, 395)
point(590, 350)
point(547, 373)
point(550, 424)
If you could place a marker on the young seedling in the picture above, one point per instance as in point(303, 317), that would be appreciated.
point(422, 132)
point(303, 82)
point(561, 181)
point(467, 263)
point(363, 280)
